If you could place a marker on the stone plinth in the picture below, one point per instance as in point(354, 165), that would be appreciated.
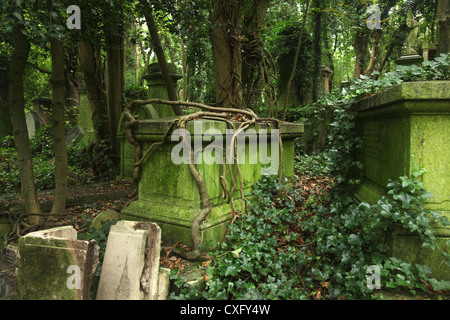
point(408, 60)
point(169, 196)
point(157, 87)
point(410, 122)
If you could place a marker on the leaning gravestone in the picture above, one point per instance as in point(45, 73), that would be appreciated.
point(33, 123)
point(74, 136)
point(54, 265)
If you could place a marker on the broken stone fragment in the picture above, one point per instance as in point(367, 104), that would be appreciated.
point(54, 265)
point(130, 269)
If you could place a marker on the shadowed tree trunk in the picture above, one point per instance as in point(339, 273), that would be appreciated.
point(22, 142)
point(114, 36)
point(443, 24)
point(253, 63)
point(153, 30)
point(226, 44)
point(91, 67)
point(59, 144)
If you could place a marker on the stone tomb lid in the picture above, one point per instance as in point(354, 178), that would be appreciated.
point(156, 127)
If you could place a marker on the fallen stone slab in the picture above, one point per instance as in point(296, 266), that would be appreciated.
point(54, 265)
point(130, 269)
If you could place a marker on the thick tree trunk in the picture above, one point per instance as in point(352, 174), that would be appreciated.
point(253, 51)
point(59, 144)
point(443, 26)
point(227, 53)
point(91, 66)
point(114, 88)
point(5, 118)
point(22, 142)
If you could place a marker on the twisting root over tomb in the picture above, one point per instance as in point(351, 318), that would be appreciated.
point(247, 118)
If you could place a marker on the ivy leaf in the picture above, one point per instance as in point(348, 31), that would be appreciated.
point(236, 252)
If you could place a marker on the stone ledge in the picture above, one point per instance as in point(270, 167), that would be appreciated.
point(418, 91)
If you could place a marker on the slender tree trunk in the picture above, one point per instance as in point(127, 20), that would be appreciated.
point(297, 53)
point(172, 95)
point(361, 42)
point(317, 60)
point(59, 144)
point(72, 81)
point(374, 51)
point(22, 142)
point(227, 53)
point(326, 43)
point(184, 70)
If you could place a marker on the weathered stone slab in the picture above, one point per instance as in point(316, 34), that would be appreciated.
point(85, 115)
point(32, 121)
point(130, 268)
point(55, 268)
point(104, 217)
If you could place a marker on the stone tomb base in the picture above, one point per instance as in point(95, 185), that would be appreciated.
point(405, 124)
point(169, 196)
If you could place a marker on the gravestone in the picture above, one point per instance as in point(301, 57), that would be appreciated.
point(8, 271)
point(85, 116)
point(157, 87)
point(33, 123)
point(326, 74)
point(54, 265)
point(407, 123)
point(130, 269)
point(42, 106)
point(428, 50)
point(74, 136)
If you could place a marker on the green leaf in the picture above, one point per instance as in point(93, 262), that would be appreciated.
point(236, 252)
